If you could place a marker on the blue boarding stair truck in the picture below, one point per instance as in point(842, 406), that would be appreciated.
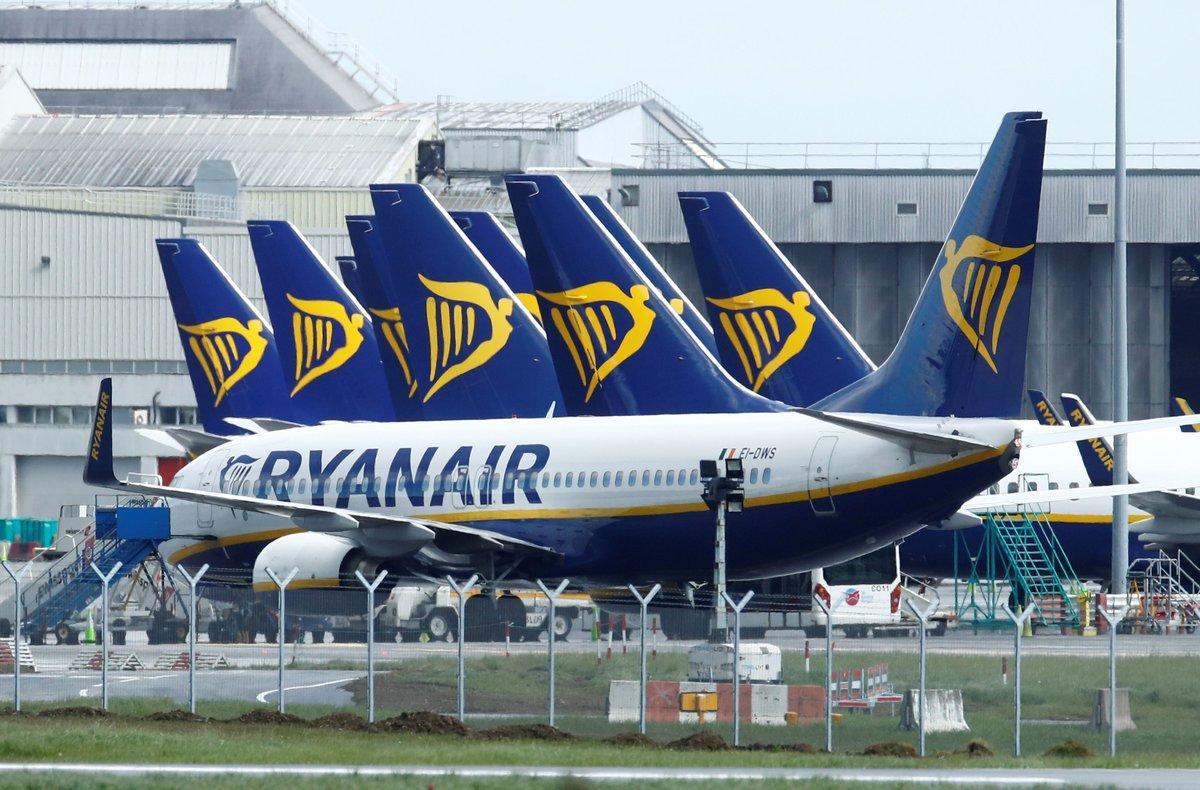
point(57, 594)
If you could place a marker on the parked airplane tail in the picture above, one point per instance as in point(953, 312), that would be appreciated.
point(230, 350)
point(774, 333)
point(1044, 409)
point(1181, 406)
point(963, 350)
point(476, 350)
point(653, 272)
point(618, 346)
point(1097, 454)
point(329, 355)
point(493, 242)
point(348, 269)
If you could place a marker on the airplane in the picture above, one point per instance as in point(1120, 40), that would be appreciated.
point(231, 353)
point(328, 350)
point(474, 348)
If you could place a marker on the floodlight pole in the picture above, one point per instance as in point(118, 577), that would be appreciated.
point(371, 588)
point(552, 596)
point(1120, 523)
point(192, 581)
point(282, 585)
point(720, 630)
point(104, 582)
point(737, 658)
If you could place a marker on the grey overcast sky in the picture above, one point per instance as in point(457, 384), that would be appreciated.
point(841, 70)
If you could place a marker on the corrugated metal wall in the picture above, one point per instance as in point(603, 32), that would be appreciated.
point(1164, 205)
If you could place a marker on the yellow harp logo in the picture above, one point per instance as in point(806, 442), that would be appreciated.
point(326, 337)
point(466, 329)
point(531, 304)
point(397, 340)
point(226, 350)
point(766, 329)
point(971, 299)
point(597, 339)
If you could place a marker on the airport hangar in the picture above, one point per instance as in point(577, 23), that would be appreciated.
point(122, 125)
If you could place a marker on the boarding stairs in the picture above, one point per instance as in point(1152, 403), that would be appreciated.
point(54, 591)
point(1164, 592)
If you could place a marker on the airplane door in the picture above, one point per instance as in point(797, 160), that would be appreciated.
point(819, 476)
point(204, 512)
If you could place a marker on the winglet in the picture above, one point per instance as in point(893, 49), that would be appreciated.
point(1181, 406)
point(98, 471)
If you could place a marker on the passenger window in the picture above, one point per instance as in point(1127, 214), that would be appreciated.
point(592, 479)
point(606, 479)
point(646, 477)
point(304, 484)
point(694, 478)
point(753, 480)
point(617, 482)
point(670, 477)
point(1032, 485)
point(546, 481)
point(508, 481)
point(1073, 485)
point(682, 476)
point(570, 478)
point(632, 477)
point(581, 481)
point(1054, 486)
point(557, 479)
point(1190, 491)
point(1012, 488)
point(658, 477)
point(766, 475)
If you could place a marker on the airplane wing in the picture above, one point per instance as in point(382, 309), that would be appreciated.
point(1021, 498)
point(406, 533)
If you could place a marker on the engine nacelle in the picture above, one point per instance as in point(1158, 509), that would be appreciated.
point(325, 566)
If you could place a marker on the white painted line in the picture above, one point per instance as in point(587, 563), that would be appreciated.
point(263, 696)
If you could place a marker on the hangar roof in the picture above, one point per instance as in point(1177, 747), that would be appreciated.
point(163, 151)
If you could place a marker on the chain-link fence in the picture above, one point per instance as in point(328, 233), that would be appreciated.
point(524, 656)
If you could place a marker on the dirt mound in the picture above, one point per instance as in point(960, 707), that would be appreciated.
point(175, 715)
point(979, 749)
point(1068, 748)
point(340, 721)
point(631, 739)
point(269, 717)
point(801, 748)
point(423, 722)
point(891, 749)
point(524, 732)
point(703, 741)
point(77, 711)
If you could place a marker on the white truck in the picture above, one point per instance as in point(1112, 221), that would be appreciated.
point(416, 611)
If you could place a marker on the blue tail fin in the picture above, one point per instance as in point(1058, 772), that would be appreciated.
point(1097, 454)
point(652, 271)
point(618, 346)
point(476, 350)
point(348, 268)
point(963, 350)
point(379, 297)
point(230, 350)
point(1044, 409)
point(501, 251)
point(1179, 407)
point(327, 349)
point(774, 333)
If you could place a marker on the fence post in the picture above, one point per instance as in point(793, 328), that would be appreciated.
point(16, 577)
point(828, 672)
point(642, 604)
point(922, 616)
point(282, 585)
point(737, 658)
point(462, 633)
point(553, 596)
point(104, 580)
point(1019, 621)
point(1112, 620)
point(371, 587)
point(192, 581)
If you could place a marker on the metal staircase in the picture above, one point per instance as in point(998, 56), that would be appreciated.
point(1019, 557)
point(1164, 592)
point(55, 591)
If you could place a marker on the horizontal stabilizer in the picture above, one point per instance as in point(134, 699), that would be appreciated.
point(1049, 436)
point(918, 441)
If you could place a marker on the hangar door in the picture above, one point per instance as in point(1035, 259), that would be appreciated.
point(46, 481)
